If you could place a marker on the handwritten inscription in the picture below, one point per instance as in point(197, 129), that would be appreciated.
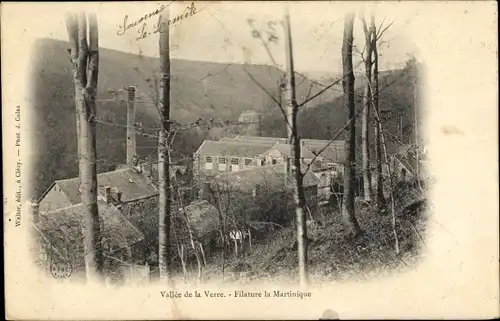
point(129, 25)
point(144, 30)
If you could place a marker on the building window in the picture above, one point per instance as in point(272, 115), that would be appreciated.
point(333, 166)
point(248, 161)
point(235, 164)
point(274, 161)
point(222, 164)
point(208, 162)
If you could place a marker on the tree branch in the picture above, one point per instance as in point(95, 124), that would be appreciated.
point(381, 32)
point(269, 94)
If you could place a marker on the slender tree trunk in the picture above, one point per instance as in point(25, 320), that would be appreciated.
point(378, 143)
point(348, 215)
point(417, 138)
point(367, 101)
point(72, 28)
point(164, 185)
point(391, 191)
point(131, 139)
point(85, 60)
point(294, 143)
point(222, 227)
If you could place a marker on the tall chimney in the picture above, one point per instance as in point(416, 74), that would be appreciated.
point(131, 146)
point(35, 212)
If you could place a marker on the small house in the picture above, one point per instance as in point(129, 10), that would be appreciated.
point(128, 189)
point(59, 237)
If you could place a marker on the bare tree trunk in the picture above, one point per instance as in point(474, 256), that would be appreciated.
point(378, 143)
point(417, 138)
point(85, 60)
point(183, 262)
point(131, 139)
point(164, 185)
point(348, 215)
point(222, 228)
point(294, 143)
point(391, 191)
point(367, 101)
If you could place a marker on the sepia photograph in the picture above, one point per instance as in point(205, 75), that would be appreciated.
point(219, 152)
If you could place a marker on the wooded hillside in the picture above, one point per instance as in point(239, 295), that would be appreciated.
point(199, 89)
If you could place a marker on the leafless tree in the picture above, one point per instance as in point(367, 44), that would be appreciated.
point(164, 186)
point(294, 163)
point(348, 214)
point(378, 144)
point(85, 63)
point(367, 102)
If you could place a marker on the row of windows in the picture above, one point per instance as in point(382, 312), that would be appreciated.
point(234, 160)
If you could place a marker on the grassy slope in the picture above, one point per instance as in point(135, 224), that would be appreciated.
point(331, 255)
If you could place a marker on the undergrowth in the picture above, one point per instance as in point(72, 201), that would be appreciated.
point(332, 256)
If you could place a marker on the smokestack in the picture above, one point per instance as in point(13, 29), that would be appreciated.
point(131, 146)
point(35, 212)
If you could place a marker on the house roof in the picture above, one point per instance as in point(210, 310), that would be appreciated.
point(335, 151)
point(249, 113)
point(285, 150)
point(63, 229)
point(129, 182)
point(260, 139)
point(272, 176)
point(232, 148)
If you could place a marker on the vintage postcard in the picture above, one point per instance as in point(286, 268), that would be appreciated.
point(250, 160)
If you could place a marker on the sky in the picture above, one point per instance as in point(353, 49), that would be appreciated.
point(220, 31)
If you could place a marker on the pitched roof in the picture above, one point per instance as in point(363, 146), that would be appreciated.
point(233, 148)
point(260, 139)
point(334, 152)
point(272, 176)
point(129, 182)
point(285, 150)
point(63, 230)
point(249, 113)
